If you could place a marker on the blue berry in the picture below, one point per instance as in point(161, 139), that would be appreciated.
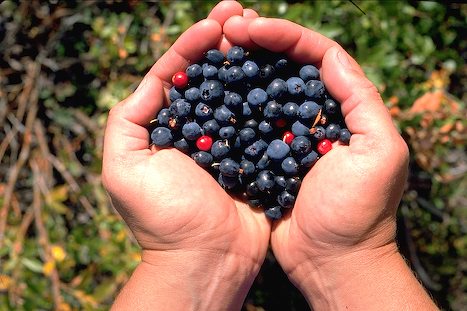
point(332, 132)
point(257, 97)
point(215, 56)
point(265, 128)
point(344, 136)
point(309, 72)
point(182, 145)
point(210, 72)
point(255, 149)
point(319, 133)
point(181, 108)
point(163, 117)
point(314, 89)
point(247, 135)
point(289, 166)
point(248, 168)
point(265, 180)
point(220, 149)
point(290, 110)
point(233, 100)
point(251, 69)
point(211, 90)
point(174, 94)
point(192, 94)
point(278, 150)
point(277, 88)
point(224, 116)
point(251, 123)
point(280, 182)
point(263, 162)
point(330, 107)
point(211, 127)
point(252, 189)
point(273, 212)
point(162, 137)
point(300, 145)
point(202, 158)
point(227, 132)
point(194, 71)
point(229, 167)
point(310, 159)
point(235, 55)
point(234, 74)
point(273, 110)
point(309, 110)
point(299, 129)
point(293, 185)
point(227, 182)
point(295, 86)
point(266, 72)
point(203, 111)
point(191, 130)
point(246, 110)
point(285, 199)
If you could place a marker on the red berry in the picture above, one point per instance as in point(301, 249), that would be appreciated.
point(288, 137)
point(281, 123)
point(180, 80)
point(324, 146)
point(204, 143)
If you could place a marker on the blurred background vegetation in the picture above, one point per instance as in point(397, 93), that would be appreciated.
point(64, 64)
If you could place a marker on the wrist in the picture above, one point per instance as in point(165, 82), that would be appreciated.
point(376, 279)
point(173, 280)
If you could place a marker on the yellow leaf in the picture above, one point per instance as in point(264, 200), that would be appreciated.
point(5, 282)
point(48, 267)
point(58, 194)
point(63, 306)
point(58, 253)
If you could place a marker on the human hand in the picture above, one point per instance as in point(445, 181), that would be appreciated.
point(341, 231)
point(203, 245)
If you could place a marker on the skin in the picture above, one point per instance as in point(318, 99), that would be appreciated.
point(333, 245)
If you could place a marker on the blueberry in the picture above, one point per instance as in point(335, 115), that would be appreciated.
point(280, 182)
point(182, 145)
point(214, 56)
point(227, 132)
point(192, 94)
point(295, 86)
point(163, 117)
point(210, 72)
point(202, 158)
point(277, 88)
point(299, 129)
point(227, 182)
point(256, 149)
point(211, 90)
point(266, 72)
point(234, 74)
point(251, 123)
point(330, 107)
point(278, 150)
point(194, 71)
point(222, 73)
point(273, 110)
point(265, 180)
point(203, 111)
point(319, 133)
point(263, 162)
point(247, 135)
point(229, 167)
point(265, 128)
point(251, 69)
point(344, 136)
point(233, 100)
point(255, 203)
point(309, 72)
point(180, 108)
point(248, 167)
point(293, 185)
point(211, 127)
point(252, 189)
point(289, 166)
point(310, 159)
point(314, 89)
point(285, 199)
point(332, 132)
point(174, 94)
point(220, 149)
point(290, 110)
point(300, 145)
point(191, 130)
point(161, 137)
point(273, 212)
point(246, 110)
point(224, 116)
point(281, 64)
point(235, 54)
point(309, 110)
point(257, 97)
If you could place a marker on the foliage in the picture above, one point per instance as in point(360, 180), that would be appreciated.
point(64, 64)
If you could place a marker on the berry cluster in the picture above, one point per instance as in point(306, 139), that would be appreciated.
point(256, 121)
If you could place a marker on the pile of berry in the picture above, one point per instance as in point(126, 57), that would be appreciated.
point(256, 121)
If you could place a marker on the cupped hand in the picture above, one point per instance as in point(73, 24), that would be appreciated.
point(171, 205)
point(347, 202)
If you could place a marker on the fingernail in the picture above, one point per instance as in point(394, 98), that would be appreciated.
point(344, 60)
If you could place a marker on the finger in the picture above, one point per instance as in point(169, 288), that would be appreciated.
point(301, 44)
point(224, 10)
point(250, 13)
point(188, 48)
point(236, 31)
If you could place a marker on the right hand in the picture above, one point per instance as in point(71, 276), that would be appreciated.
point(346, 207)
